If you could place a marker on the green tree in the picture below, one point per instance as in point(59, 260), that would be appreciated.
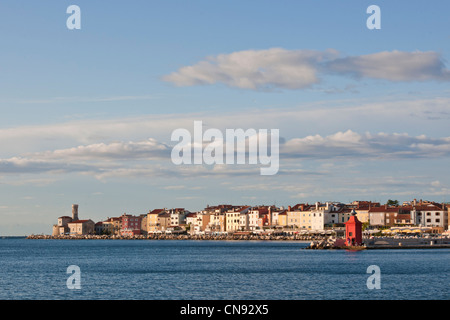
point(392, 203)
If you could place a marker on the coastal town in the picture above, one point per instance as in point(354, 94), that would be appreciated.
point(417, 217)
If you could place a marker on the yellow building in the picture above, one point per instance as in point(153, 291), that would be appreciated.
point(115, 225)
point(282, 219)
point(232, 221)
point(305, 220)
point(362, 215)
point(153, 221)
point(233, 217)
point(293, 219)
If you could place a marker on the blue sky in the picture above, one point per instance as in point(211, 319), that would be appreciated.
point(364, 113)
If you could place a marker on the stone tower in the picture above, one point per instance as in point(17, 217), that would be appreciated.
point(74, 212)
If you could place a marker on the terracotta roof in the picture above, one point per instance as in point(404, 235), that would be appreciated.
point(386, 209)
point(80, 221)
point(156, 211)
point(427, 207)
point(164, 215)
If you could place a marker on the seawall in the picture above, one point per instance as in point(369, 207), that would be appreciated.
point(182, 237)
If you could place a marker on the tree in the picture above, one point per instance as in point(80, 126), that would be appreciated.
point(392, 203)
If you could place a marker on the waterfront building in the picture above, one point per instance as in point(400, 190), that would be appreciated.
point(244, 221)
point(131, 225)
point(293, 219)
point(115, 225)
point(202, 221)
point(216, 222)
point(446, 222)
point(362, 209)
point(257, 218)
point(344, 215)
point(190, 219)
point(274, 216)
point(232, 218)
point(152, 220)
point(298, 217)
point(98, 228)
point(232, 221)
point(282, 219)
point(384, 216)
point(320, 215)
point(164, 221)
point(62, 227)
point(144, 224)
point(72, 225)
point(429, 215)
point(81, 227)
point(178, 217)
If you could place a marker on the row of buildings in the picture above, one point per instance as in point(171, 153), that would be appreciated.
point(219, 219)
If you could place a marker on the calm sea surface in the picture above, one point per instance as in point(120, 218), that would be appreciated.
point(232, 270)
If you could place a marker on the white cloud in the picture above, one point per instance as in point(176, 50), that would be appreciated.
point(299, 69)
point(393, 66)
point(330, 116)
point(353, 145)
point(151, 158)
point(255, 69)
point(436, 184)
point(148, 149)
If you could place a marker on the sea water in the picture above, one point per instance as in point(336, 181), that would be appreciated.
point(210, 270)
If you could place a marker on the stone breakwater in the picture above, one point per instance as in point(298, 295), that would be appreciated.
point(384, 243)
point(185, 237)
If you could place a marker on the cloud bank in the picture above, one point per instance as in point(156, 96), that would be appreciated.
point(151, 158)
point(299, 69)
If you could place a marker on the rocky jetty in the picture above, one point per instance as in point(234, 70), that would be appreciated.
point(326, 244)
point(162, 236)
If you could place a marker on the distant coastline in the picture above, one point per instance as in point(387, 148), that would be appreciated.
point(13, 237)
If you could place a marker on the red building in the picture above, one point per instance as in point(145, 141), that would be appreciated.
point(131, 225)
point(353, 231)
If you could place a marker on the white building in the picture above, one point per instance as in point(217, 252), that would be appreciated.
point(429, 215)
point(177, 217)
point(320, 215)
point(233, 218)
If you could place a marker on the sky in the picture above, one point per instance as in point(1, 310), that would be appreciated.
point(87, 114)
